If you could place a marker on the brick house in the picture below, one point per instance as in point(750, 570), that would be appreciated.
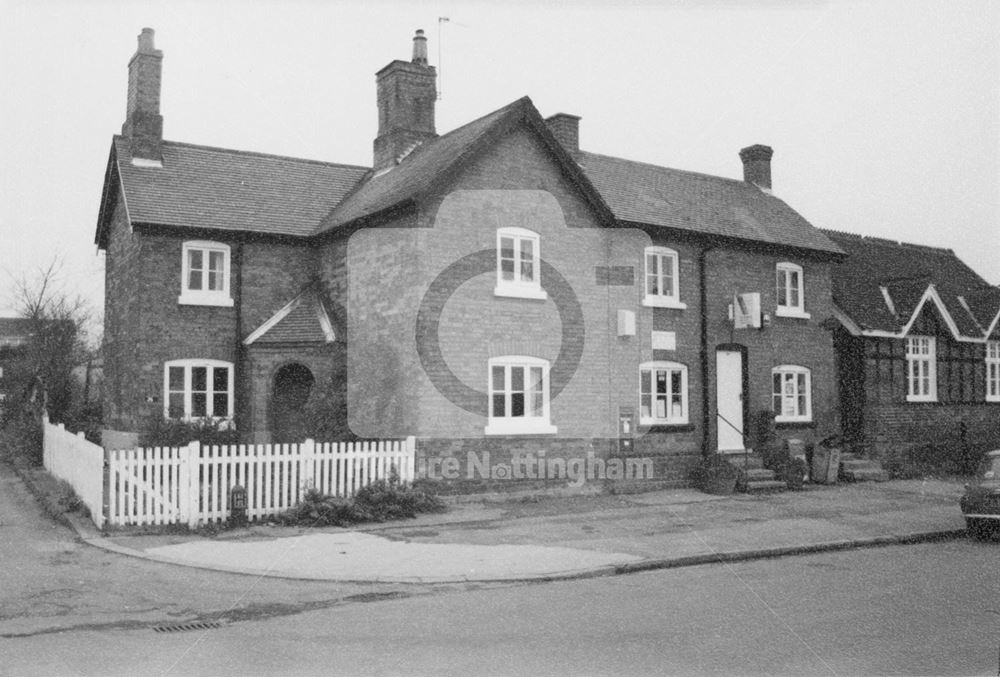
point(918, 346)
point(495, 288)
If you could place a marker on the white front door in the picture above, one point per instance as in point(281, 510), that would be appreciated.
point(729, 399)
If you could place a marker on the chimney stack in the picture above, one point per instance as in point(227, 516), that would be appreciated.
point(143, 123)
point(406, 94)
point(757, 165)
point(566, 129)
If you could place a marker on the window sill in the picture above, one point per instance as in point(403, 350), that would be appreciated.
point(516, 292)
point(792, 312)
point(651, 427)
point(793, 423)
point(921, 400)
point(206, 300)
point(504, 427)
point(793, 419)
point(662, 302)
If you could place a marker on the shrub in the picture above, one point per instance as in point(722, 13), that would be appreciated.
point(164, 432)
point(378, 502)
point(66, 498)
point(22, 438)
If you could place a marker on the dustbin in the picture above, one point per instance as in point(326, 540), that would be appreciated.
point(825, 464)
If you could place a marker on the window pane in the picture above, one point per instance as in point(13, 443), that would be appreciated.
point(507, 269)
point(215, 271)
point(537, 392)
point(661, 381)
point(220, 404)
point(506, 258)
point(175, 378)
point(220, 379)
point(195, 266)
point(644, 406)
point(499, 381)
point(652, 275)
point(199, 378)
point(517, 379)
point(498, 405)
point(527, 249)
point(527, 271)
point(645, 378)
point(661, 407)
point(517, 404)
point(198, 403)
point(667, 275)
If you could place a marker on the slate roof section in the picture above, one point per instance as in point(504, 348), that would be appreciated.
point(218, 189)
point(907, 271)
point(303, 320)
point(689, 201)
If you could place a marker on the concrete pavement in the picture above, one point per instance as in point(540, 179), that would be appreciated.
point(551, 538)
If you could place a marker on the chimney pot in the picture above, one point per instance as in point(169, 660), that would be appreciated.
point(420, 48)
point(757, 165)
point(146, 41)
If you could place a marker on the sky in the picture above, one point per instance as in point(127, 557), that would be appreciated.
point(884, 116)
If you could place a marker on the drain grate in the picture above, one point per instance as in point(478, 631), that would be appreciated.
point(184, 627)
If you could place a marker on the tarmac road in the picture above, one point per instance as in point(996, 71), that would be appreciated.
point(925, 609)
point(50, 582)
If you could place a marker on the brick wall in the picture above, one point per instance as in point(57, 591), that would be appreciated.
point(145, 325)
point(122, 308)
point(792, 341)
point(517, 184)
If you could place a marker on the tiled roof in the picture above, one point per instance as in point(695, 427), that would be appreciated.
point(906, 271)
point(712, 205)
point(302, 320)
point(212, 188)
point(424, 166)
point(202, 187)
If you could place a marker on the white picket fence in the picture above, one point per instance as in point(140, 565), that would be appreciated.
point(72, 458)
point(191, 485)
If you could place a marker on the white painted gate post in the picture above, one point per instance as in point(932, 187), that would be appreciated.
point(307, 463)
point(191, 480)
point(411, 455)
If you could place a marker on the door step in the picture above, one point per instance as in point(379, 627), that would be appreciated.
point(855, 469)
point(754, 477)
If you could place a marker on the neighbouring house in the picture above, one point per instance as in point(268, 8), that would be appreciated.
point(14, 335)
point(918, 347)
point(493, 289)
